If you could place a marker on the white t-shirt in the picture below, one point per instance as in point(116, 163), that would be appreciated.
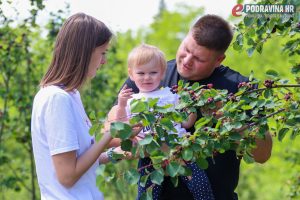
point(165, 96)
point(59, 124)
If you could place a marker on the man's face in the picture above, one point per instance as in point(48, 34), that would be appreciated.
point(196, 62)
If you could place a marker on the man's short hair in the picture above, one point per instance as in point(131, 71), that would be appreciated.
point(212, 32)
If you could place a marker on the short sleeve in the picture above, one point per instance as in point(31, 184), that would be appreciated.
point(60, 124)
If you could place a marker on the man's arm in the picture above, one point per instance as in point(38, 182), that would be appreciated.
point(190, 121)
point(262, 152)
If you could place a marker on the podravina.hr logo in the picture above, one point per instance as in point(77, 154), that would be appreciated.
point(239, 9)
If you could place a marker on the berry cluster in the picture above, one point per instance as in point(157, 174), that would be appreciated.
point(287, 96)
point(268, 83)
point(210, 99)
point(165, 163)
point(231, 97)
point(174, 89)
point(245, 84)
point(191, 92)
point(193, 95)
point(210, 85)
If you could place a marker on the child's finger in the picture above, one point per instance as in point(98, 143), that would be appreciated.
point(125, 87)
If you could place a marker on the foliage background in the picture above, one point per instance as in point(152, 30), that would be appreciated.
point(25, 55)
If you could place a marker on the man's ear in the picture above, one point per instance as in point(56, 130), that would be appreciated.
point(220, 59)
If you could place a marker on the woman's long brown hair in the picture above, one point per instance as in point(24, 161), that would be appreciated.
point(75, 42)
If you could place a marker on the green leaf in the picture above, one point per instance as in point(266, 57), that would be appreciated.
point(100, 171)
point(121, 130)
point(146, 195)
point(228, 126)
point(246, 107)
point(167, 124)
point(126, 145)
point(259, 47)
point(174, 180)
point(153, 147)
point(235, 136)
point(251, 76)
point(237, 125)
point(294, 133)
point(94, 129)
point(282, 132)
point(152, 102)
point(157, 176)
point(250, 51)
point(147, 140)
point(248, 21)
point(132, 176)
point(138, 106)
point(92, 115)
point(180, 83)
point(251, 32)
point(237, 46)
point(150, 117)
point(202, 163)
point(157, 159)
point(248, 159)
point(201, 122)
point(173, 169)
point(239, 39)
point(272, 73)
point(195, 86)
point(187, 154)
point(268, 93)
point(143, 180)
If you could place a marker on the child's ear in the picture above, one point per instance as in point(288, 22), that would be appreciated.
point(163, 74)
point(129, 70)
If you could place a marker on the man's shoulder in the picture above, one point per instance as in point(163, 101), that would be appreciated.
point(171, 63)
point(233, 75)
point(171, 76)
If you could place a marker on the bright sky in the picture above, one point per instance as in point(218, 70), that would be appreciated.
point(121, 15)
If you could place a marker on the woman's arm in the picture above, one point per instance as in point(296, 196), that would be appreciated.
point(70, 168)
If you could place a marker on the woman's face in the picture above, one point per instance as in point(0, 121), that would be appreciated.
point(98, 59)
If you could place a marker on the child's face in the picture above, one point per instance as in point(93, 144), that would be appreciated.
point(147, 77)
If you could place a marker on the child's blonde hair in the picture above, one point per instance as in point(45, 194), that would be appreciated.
point(145, 53)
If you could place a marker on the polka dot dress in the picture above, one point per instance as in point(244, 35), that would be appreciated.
point(198, 184)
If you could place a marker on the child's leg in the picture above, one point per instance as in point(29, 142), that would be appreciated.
point(198, 183)
point(156, 190)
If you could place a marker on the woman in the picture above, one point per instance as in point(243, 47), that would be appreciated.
point(66, 156)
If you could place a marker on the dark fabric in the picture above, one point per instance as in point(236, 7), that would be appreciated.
point(223, 171)
point(198, 186)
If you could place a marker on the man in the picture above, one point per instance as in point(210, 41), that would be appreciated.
point(199, 59)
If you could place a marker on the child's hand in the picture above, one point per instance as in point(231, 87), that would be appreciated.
point(125, 94)
point(136, 129)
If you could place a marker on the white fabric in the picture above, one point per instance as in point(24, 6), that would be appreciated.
point(59, 124)
point(165, 96)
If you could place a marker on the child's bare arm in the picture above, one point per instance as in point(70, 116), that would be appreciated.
point(119, 111)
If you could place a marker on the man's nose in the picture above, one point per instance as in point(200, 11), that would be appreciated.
point(188, 59)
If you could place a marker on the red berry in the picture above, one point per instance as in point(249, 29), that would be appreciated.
point(210, 85)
